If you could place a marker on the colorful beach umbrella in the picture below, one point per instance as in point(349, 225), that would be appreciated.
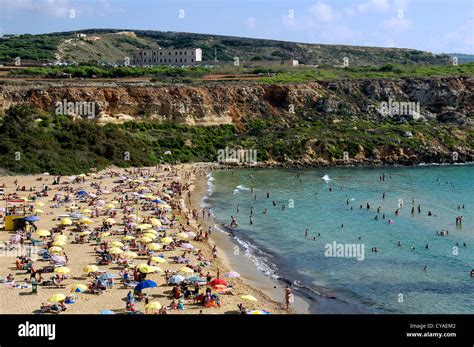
point(153, 305)
point(90, 268)
point(166, 239)
point(217, 281)
point(115, 250)
point(66, 221)
point(232, 274)
point(176, 279)
point(79, 288)
point(57, 298)
point(154, 246)
point(159, 260)
point(145, 284)
point(43, 233)
point(63, 270)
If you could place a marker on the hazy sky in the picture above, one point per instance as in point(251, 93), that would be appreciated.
point(433, 25)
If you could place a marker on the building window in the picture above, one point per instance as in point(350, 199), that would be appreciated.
point(185, 60)
point(169, 53)
point(161, 53)
point(192, 60)
point(184, 52)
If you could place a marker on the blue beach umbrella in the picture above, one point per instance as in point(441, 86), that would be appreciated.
point(156, 200)
point(32, 218)
point(193, 279)
point(145, 284)
point(107, 312)
point(176, 279)
point(81, 192)
point(106, 276)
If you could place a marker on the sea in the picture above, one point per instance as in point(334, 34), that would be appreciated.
point(378, 239)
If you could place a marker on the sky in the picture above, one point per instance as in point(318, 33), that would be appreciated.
point(439, 26)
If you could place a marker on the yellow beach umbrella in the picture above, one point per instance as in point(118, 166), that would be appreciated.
point(87, 210)
point(60, 237)
point(59, 243)
point(110, 221)
point(90, 268)
point(109, 206)
point(155, 221)
point(115, 250)
point(128, 238)
point(117, 244)
point(144, 226)
point(86, 220)
point(55, 249)
point(38, 210)
point(63, 270)
point(166, 239)
point(151, 231)
point(43, 233)
point(186, 270)
point(150, 235)
point(57, 298)
point(182, 235)
point(84, 233)
point(145, 239)
point(159, 260)
point(66, 221)
point(39, 204)
point(154, 305)
point(249, 297)
point(80, 286)
point(154, 246)
point(130, 254)
point(105, 234)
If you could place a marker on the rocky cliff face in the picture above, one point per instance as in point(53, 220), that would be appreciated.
point(437, 101)
point(441, 99)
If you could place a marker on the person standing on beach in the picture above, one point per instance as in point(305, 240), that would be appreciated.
point(288, 297)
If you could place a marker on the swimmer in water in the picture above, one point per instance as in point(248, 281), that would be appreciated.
point(306, 233)
point(250, 220)
point(238, 208)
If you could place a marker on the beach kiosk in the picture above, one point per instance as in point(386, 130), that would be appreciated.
point(15, 212)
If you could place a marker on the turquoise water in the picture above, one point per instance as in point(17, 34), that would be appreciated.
point(391, 280)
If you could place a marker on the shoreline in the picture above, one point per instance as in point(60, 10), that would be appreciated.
point(273, 289)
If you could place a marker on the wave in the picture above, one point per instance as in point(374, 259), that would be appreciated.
point(210, 185)
point(240, 188)
point(326, 178)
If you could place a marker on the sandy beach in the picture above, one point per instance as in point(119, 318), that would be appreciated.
point(113, 186)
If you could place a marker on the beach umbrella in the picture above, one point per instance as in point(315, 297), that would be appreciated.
point(193, 279)
point(166, 239)
point(150, 231)
point(217, 281)
point(153, 246)
point(232, 274)
point(110, 221)
point(219, 287)
point(144, 226)
point(186, 270)
point(105, 234)
point(60, 237)
point(63, 270)
point(258, 312)
point(159, 260)
point(86, 220)
point(248, 297)
point(182, 235)
point(55, 249)
point(107, 312)
point(155, 222)
point(38, 210)
point(187, 246)
point(79, 288)
point(146, 269)
point(191, 234)
point(115, 250)
point(92, 195)
point(57, 298)
point(100, 202)
point(59, 243)
point(32, 218)
point(109, 206)
point(106, 276)
point(176, 279)
point(130, 254)
point(145, 284)
point(128, 238)
point(58, 259)
point(43, 233)
point(87, 210)
point(39, 204)
point(117, 244)
point(149, 235)
point(66, 221)
point(90, 268)
point(153, 305)
point(84, 233)
point(145, 239)
point(81, 192)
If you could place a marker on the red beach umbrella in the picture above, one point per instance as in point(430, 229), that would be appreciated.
point(217, 281)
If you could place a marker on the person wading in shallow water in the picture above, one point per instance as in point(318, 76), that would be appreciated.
point(288, 297)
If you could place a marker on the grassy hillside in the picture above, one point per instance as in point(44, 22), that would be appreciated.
point(110, 45)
